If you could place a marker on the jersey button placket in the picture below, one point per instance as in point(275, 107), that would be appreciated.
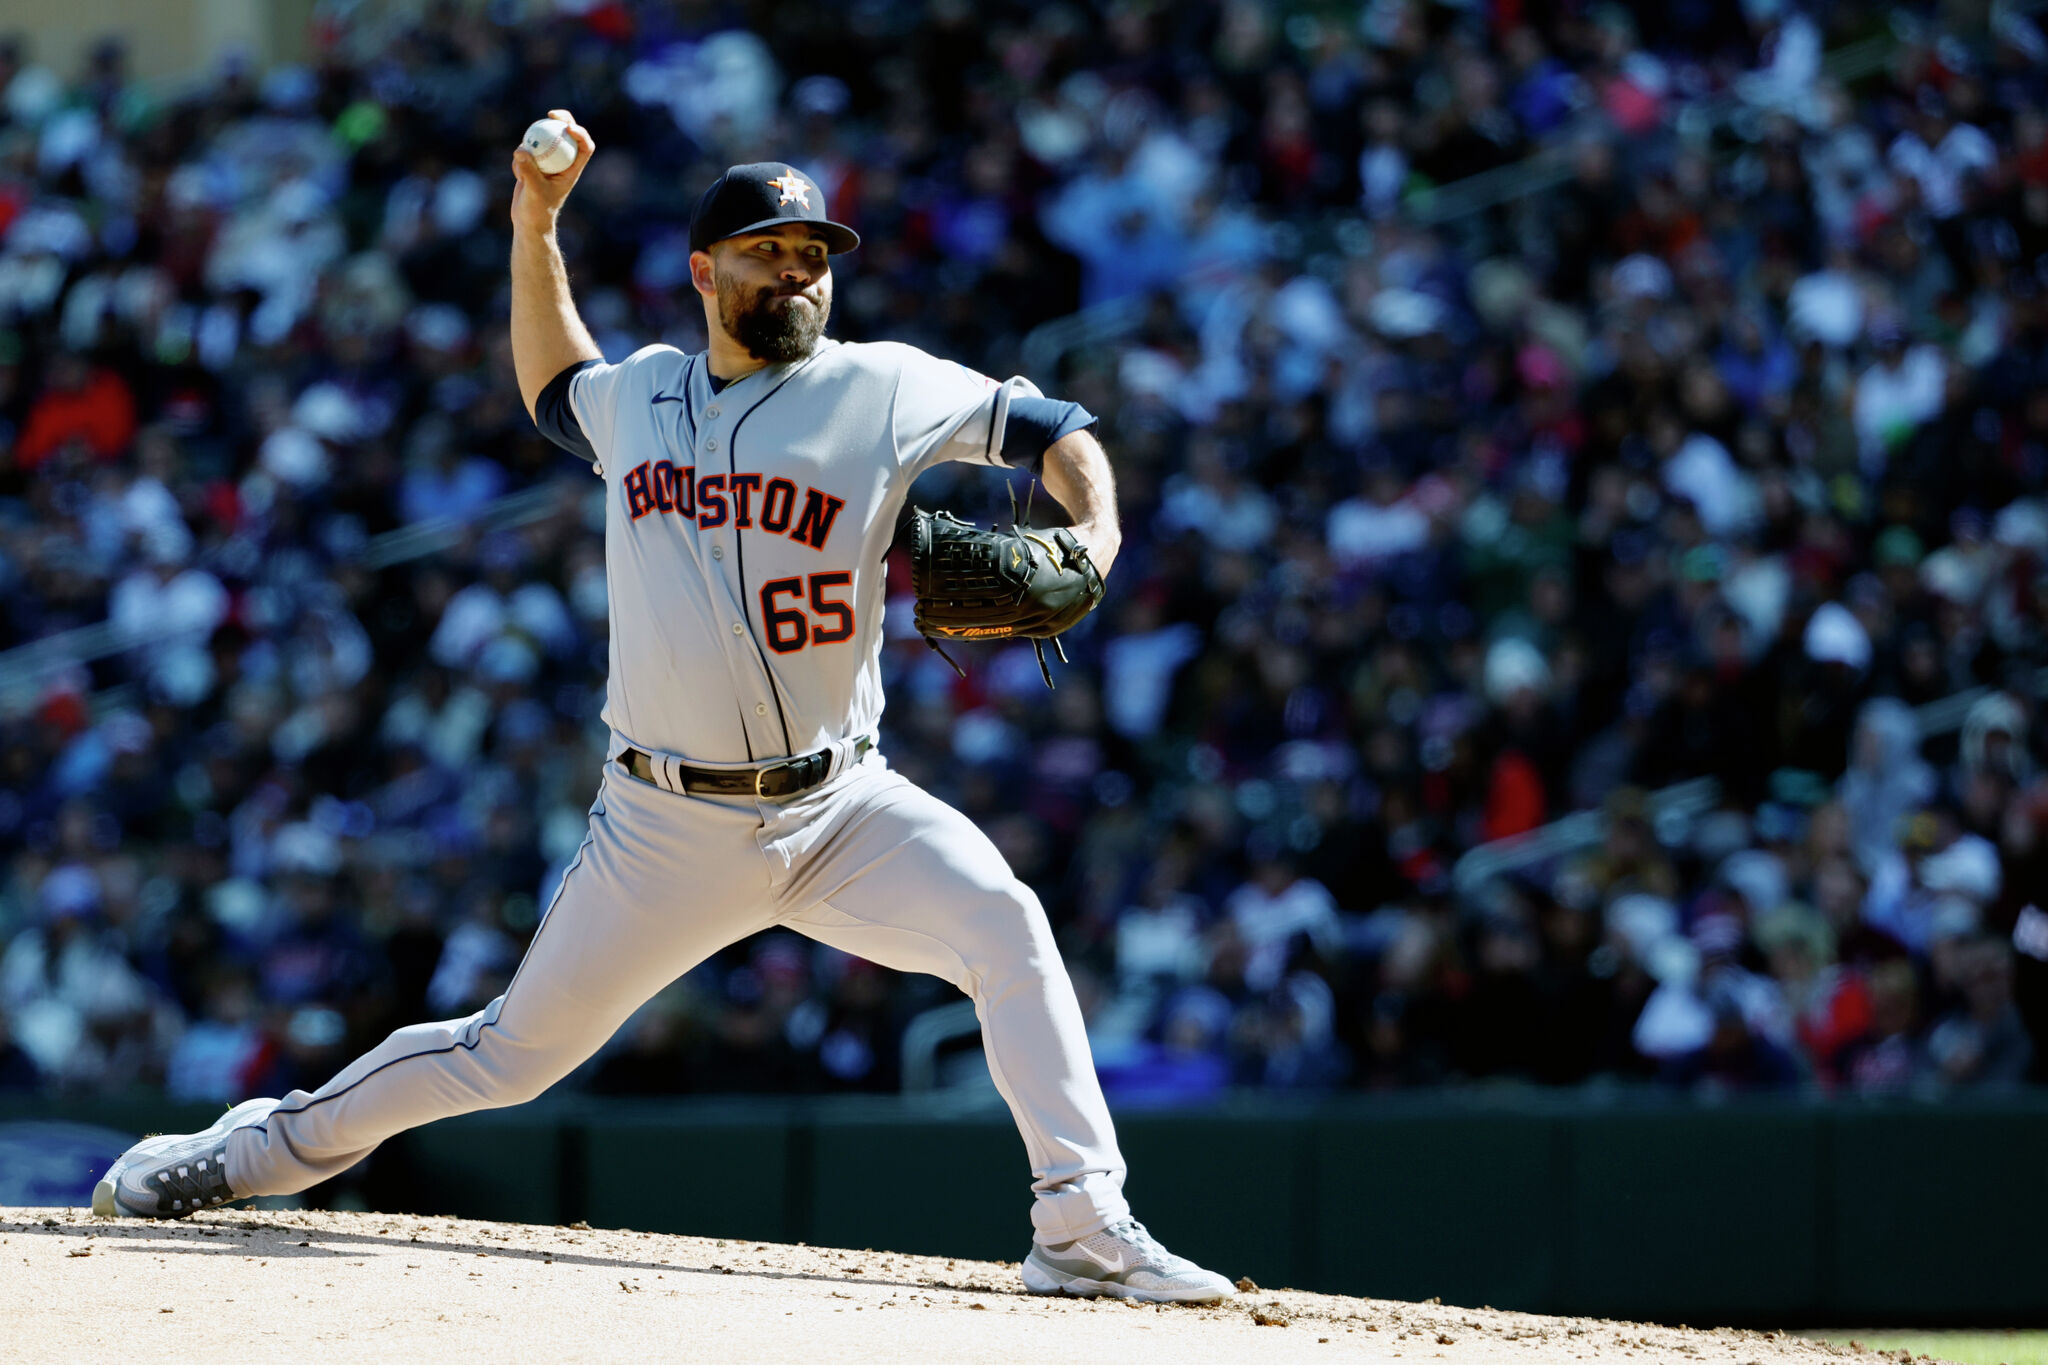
point(718, 552)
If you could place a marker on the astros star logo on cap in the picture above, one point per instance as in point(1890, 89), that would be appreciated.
point(793, 187)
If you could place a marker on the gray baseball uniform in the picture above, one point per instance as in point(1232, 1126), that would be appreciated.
point(745, 530)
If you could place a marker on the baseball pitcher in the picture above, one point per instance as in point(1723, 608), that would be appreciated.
point(751, 494)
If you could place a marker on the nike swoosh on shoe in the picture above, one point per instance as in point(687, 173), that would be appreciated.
point(1109, 1267)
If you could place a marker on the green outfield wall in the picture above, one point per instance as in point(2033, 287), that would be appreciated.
point(1757, 1213)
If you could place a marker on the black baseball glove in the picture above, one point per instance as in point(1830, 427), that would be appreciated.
point(1017, 584)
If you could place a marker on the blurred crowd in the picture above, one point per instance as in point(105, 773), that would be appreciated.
point(1704, 438)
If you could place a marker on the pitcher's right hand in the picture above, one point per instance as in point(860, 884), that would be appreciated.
point(538, 196)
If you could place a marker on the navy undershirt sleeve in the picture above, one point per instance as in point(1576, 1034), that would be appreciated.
point(557, 420)
point(1033, 424)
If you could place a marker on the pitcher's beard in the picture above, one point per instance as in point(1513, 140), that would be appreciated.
point(772, 331)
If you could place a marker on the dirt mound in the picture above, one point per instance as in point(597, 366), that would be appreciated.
point(357, 1286)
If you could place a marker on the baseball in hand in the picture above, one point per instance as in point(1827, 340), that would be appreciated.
point(552, 147)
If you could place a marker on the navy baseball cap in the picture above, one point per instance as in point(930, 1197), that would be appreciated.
point(764, 194)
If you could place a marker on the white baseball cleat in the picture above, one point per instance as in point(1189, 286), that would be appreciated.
point(1124, 1262)
point(177, 1174)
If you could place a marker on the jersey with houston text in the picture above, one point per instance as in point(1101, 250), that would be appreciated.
point(745, 532)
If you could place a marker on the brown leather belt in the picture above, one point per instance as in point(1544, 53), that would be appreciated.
point(770, 782)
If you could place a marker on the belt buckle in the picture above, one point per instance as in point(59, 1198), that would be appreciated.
point(761, 773)
point(803, 762)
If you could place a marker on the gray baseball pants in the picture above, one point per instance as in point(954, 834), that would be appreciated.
point(867, 862)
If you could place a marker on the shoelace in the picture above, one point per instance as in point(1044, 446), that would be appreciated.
point(195, 1184)
point(1133, 1231)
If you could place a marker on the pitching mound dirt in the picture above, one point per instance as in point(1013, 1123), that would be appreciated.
point(358, 1286)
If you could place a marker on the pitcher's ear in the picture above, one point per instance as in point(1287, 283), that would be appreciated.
point(703, 273)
